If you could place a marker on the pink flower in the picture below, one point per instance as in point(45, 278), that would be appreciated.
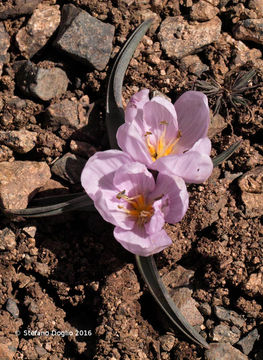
point(169, 138)
point(126, 194)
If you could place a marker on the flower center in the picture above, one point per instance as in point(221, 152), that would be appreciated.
point(137, 207)
point(162, 147)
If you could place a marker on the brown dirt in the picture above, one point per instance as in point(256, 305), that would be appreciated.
point(71, 275)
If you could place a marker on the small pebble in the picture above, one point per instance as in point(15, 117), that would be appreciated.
point(44, 84)
point(7, 239)
point(167, 342)
point(12, 308)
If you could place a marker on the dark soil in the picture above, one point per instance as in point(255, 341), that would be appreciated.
point(69, 274)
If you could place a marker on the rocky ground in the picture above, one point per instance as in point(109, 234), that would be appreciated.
point(67, 289)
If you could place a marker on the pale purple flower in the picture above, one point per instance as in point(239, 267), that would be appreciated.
point(126, 194)
point(169, 138)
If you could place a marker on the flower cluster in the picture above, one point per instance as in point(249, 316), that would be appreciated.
point(143, 186)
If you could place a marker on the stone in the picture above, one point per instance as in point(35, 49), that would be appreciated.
point(203, 11)
point(20, 180)
point(30, 231)
point(223, 351)
point(223, 333)
point(44, 84)
point(247, 342)
point(12, 308)
point(251, 185)
point(4, 45)
point(84, 37)
point(21, 141)
point(69, 167)
point(194, 65)
point(179, 39)
point(40, 27)
point(5, 153)
point(7, 351)
point(243, 54)
point(205, 309)
point(82, 148)
point(67, 112)
point(40, 350)
point(19, 7)
point(42, 269)
point(7, 239)
point(254, 285)
point(178, 277)
point(229, 316)
point(256, 5)
point(187, 305)
point(250, 30)
point(167, 342)
point(217, 125)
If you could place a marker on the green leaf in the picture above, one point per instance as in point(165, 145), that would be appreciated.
point(73, 202)
point(149, 272)
point(114, 108)
point(226, 154)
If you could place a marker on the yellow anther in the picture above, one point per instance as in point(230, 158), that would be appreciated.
point(137, 207)
point(162, 147)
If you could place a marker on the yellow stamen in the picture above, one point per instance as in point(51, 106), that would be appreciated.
point(137, 207)
point(162, 147)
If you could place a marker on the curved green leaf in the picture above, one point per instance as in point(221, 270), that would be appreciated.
point(149, 272)
point(114, 108)
point(226, 154)
point(74, 202)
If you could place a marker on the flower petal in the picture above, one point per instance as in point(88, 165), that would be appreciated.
point(176, 198)
point(202, 146)
point(135, 106)
point(138, 242)
point(192, 166)
point(106, 203)
point(132, 141)
point(156, 222)
point(134, 178)
point(158, 114)
point(99, 170)
point(193, 118)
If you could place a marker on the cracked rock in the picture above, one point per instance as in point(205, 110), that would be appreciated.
point(84, 37)
point(250, 30)
point(19, 181)
point(39, 29)
point(21, 141)
point(178, 38)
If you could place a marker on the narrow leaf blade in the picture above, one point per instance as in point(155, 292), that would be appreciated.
point(226, 154)
point(149, 272)
point(114, 108)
